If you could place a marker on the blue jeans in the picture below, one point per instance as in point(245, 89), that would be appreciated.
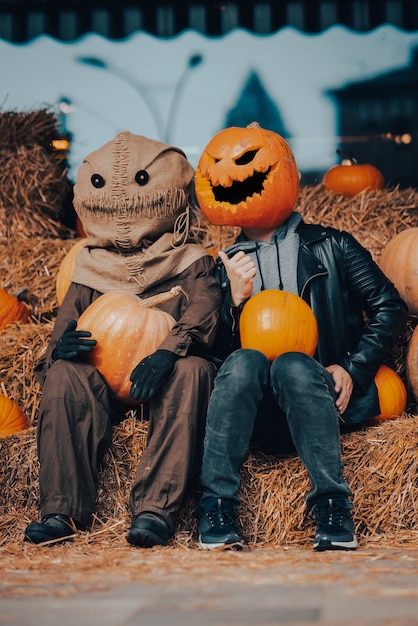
point(284, 405)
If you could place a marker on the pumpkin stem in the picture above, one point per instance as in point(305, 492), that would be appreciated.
point(165, 296)
point(346, 156)
point(253, 125)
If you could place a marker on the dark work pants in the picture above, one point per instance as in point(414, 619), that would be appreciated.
point(75, 430)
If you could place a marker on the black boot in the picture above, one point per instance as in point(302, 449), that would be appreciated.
point(148, 530)
point(52, 527)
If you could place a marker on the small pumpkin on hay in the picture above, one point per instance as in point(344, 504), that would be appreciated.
point(12, 309)
point(350, 178)
point(392, 395)
point(12, 418)
point(399, 261)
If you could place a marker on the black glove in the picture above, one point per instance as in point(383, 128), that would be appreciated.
point(72, 343)
point(150, 374)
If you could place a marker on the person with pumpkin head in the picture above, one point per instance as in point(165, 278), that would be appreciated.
point(295, 403)
point(134, 199)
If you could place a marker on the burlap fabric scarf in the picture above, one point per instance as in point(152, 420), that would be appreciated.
point(132, 197)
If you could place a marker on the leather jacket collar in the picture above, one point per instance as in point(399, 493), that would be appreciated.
point(309, 266)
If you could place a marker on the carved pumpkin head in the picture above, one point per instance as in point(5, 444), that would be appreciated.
point(247, 177)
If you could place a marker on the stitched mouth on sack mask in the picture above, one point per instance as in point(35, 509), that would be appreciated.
point(106, 211)
point(240, 191)
point(157, 204)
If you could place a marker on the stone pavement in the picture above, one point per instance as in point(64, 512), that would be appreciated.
point(370, 587)
point(215, 605)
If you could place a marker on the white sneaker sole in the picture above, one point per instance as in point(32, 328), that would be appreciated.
point(335, 545)
point(236, 545)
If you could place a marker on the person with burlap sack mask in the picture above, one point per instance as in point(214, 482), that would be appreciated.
point(133, 197)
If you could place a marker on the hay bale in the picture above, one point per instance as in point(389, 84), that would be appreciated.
point(379, 462)
point(381, 467)
point(31, 265)
point(33, 193)
point(21, 346)
point(19, 483)
point(373, 218)
point(35, 189)
point(28, 129)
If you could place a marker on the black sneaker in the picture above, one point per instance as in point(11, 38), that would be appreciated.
point(218, 527)
point(335, 527)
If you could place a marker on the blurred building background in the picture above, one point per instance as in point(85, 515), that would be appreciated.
point(377, 118)
point(378, 122)
point(67, 20)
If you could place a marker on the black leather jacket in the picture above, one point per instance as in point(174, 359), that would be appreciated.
point(359, 312)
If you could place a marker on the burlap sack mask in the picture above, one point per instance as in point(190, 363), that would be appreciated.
point(132, 197)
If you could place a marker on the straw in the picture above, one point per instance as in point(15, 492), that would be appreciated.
point(380, 461)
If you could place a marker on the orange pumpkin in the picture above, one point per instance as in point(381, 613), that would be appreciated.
point(11, 309)
point(126, 331)
point(392, 395)
point(412, 363)
point(399, 261)
point(247, 177)
point(65, 271)
point(12, 418)
point(350, 178)
point(275, 322)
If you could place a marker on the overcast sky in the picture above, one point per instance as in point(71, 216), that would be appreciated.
point(147, 73)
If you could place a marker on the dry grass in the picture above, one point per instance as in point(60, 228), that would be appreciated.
point(30, 266)
point(373, 218)
point(380, 466)
point(34, 184)
point(38, 127)
point(67, 570)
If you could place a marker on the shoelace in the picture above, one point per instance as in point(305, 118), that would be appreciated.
point(224, 518)
point(219, 516)
point(332, 516)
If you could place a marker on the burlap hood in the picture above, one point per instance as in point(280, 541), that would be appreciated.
point(132, 197)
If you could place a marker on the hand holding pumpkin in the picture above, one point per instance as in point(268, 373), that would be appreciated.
point(241, 271)
point(150, 374)
point(72, 343)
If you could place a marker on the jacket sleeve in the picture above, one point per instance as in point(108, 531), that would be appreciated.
point(195, 328)
point(76, 300)
point(385, 312)
point(227, 337)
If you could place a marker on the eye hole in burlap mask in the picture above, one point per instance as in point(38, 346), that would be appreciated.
point(97, 181)
point(142, 177)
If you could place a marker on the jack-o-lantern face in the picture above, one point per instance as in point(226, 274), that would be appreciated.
point(247, 177)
